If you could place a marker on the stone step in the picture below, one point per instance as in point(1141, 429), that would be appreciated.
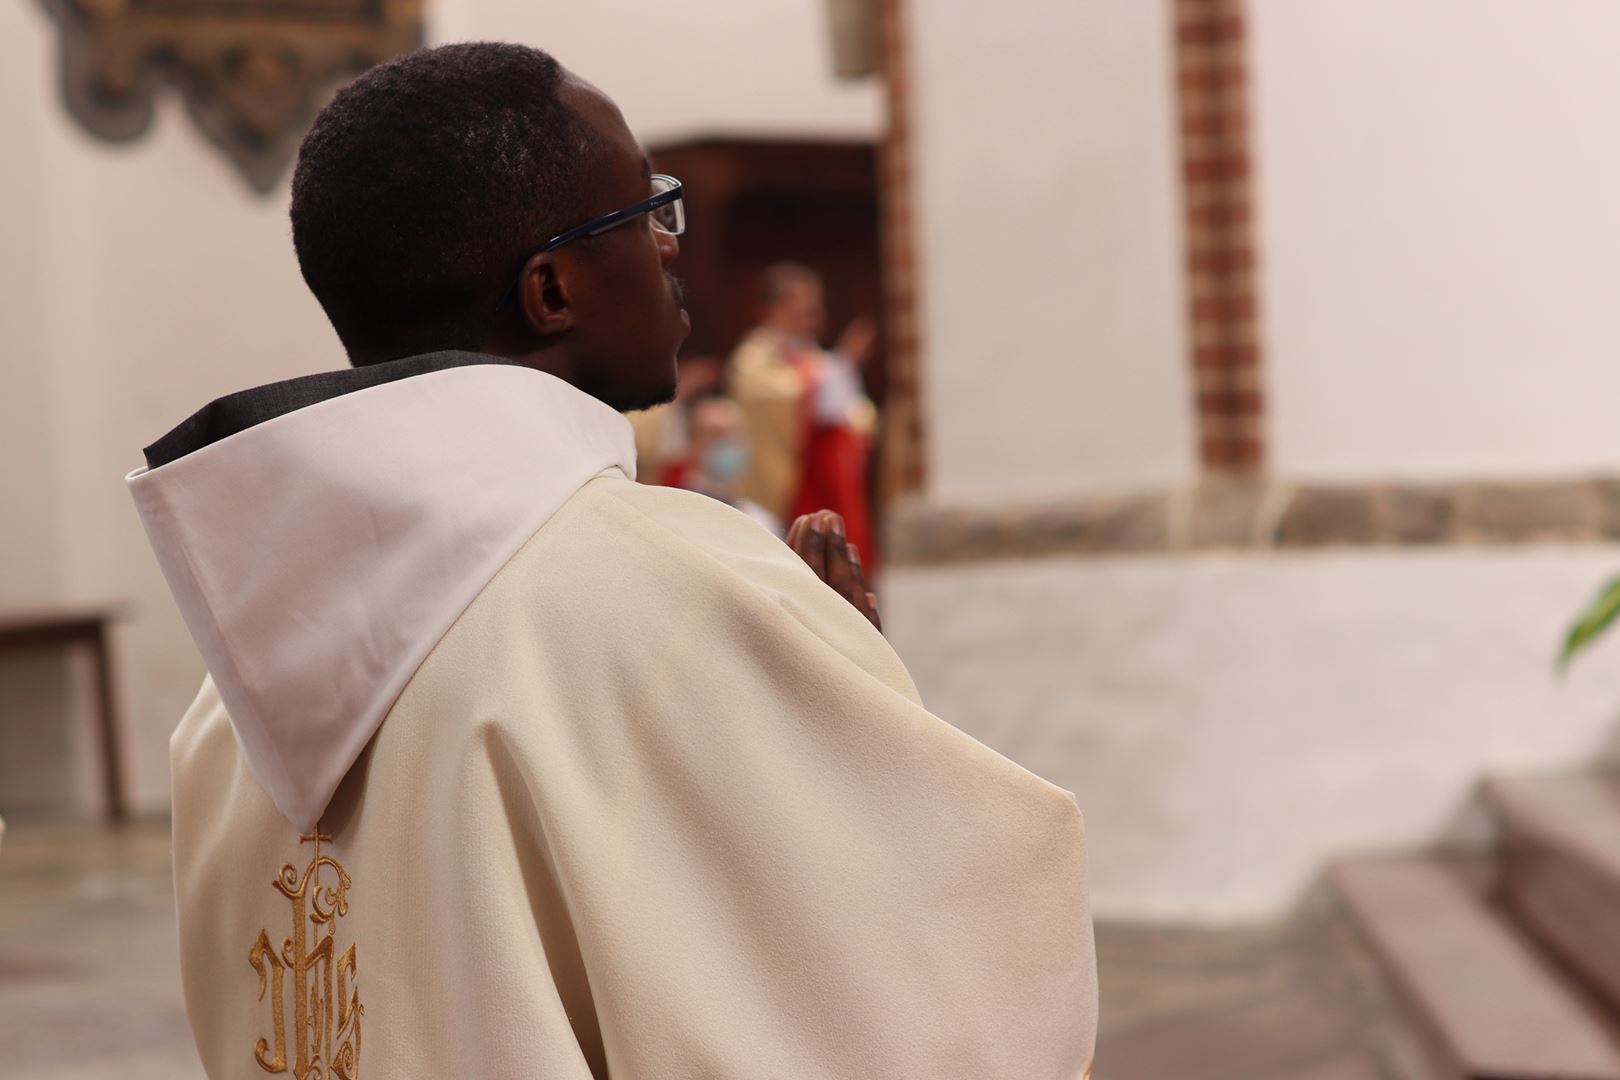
point(1559, 870)
point(1491, 1005)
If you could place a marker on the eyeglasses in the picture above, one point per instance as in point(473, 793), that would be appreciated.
point(664, 206)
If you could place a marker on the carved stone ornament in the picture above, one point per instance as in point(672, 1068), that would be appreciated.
point(252, 72)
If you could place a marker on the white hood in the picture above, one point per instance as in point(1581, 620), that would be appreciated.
point(319, 556)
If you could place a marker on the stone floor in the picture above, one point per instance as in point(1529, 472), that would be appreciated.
point(1301, 1000)
point(89, 976)
point(89, 981)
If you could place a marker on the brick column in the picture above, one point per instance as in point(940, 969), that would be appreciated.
point(1216, 158)
point(902, 468)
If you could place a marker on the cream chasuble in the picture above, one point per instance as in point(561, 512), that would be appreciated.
point(510, 767)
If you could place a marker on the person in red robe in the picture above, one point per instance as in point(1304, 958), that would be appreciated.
point(805, 408)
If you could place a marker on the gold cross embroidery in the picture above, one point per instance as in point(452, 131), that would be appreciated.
point(322, 1049)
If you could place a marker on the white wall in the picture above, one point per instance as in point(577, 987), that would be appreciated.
point(142, 280)
point(1050, 248)
point(1439, 240)
point(1440, 234)
point(30, 570)
point(155, 281)
point(1229, 723)
point(705, 67)
point(47, 749)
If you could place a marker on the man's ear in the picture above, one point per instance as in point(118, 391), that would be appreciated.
point(543, 296)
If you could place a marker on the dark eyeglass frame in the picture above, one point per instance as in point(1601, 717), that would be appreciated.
point(599, 225)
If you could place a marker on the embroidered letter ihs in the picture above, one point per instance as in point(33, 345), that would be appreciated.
point(322, 1050)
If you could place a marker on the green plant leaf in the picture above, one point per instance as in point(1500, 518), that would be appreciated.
point(1596, 619)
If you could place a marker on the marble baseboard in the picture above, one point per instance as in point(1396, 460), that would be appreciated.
point(1260, 516)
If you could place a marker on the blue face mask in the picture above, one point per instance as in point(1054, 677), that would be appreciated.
point(725, 459)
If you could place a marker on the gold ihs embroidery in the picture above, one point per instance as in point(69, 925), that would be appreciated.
point(325, 1046)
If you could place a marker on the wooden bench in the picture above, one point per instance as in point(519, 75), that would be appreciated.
point(67, 628)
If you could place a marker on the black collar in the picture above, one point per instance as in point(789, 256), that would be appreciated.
point(236, 412)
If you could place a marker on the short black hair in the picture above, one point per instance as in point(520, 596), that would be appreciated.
point(424, 185)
